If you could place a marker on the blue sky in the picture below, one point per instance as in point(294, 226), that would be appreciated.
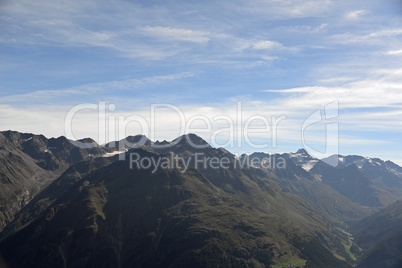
point(278, 58)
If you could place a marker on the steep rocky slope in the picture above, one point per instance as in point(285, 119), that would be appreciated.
point(28, 163)
point(380, 237)
point(203, 217)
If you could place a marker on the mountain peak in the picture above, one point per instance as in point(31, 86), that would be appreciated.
point(85, 143)
point(87, 140)
point(137, 138)
point(192, 140)
point(302, 151)
point(129, 142)
point(164, 142)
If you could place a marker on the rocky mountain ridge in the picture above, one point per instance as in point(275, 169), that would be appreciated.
point(244, 213)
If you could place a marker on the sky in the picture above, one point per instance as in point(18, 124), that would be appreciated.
point(319, 74)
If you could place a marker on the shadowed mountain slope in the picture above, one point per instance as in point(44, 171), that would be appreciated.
point(380, 236)
point(191, 206)
point(28, 163)
point(117, 216)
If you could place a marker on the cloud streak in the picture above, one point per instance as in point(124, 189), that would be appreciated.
point(384, 91)
point(368, 39)
point(356, 14)
point(110, 87)
point(170, 33)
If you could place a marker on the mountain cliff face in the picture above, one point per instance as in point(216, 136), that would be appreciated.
point(335, 207)
point(380, 236)
point(186, 204)
point(117, 216)
point(384, 173)
point(28, 163)
point(368, 182)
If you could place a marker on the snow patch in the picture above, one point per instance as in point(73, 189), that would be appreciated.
point(113, 153)
point(360, 163)
point(394, 171)
point(309, 165)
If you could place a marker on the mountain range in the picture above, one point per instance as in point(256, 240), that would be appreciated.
point(67, 206)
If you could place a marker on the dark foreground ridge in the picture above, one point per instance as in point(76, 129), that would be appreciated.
point(83, 207)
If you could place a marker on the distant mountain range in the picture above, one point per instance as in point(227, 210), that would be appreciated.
point(68, 206)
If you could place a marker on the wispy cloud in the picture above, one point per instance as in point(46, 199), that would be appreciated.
point(306, 28)
point(288, 8)
point(336, 80)
point(356, 14)
point(353, 95)
point(371, 38)
point(169, 33)
point(394, 52)
point(127, 36)
point(266, 44)
point(40, 96)
point(347, 140)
